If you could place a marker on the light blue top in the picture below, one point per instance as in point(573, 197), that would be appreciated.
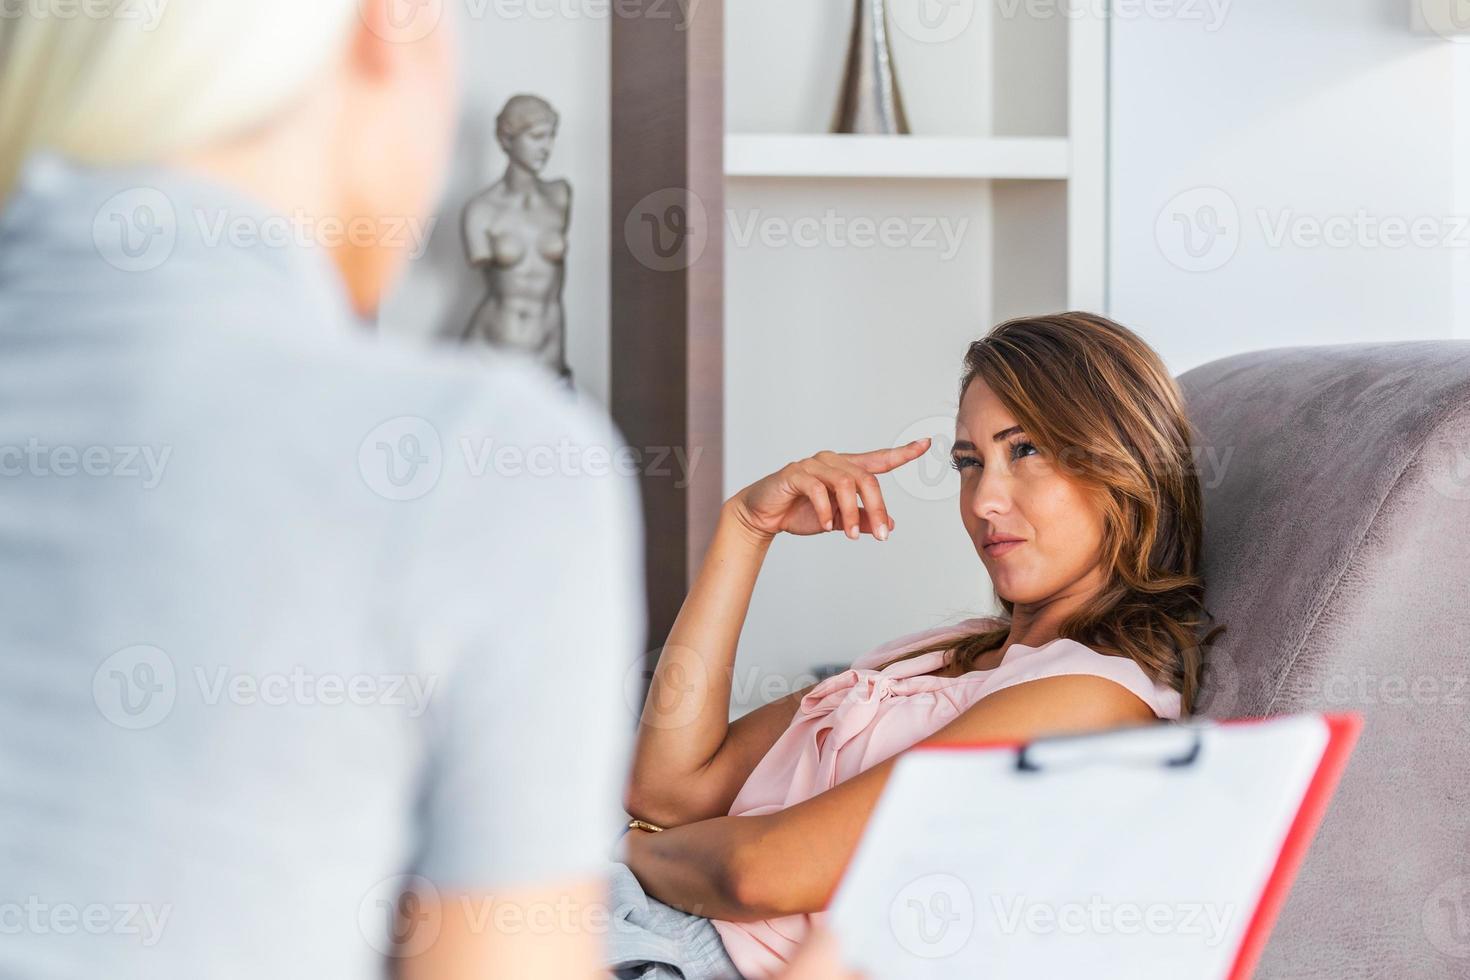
point(285, 614)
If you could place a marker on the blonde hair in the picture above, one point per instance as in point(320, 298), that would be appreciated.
point(1099, 401)
point(154, 77)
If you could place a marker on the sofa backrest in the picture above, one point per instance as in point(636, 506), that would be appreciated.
point(1337, 554)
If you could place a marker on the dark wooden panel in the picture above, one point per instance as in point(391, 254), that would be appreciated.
point(667, 344)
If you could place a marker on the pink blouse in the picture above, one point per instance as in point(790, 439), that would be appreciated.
point(859, 718)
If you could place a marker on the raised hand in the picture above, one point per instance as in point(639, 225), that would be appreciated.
point(825, 492)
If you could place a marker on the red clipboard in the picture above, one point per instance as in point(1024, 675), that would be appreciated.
point(1342, 731)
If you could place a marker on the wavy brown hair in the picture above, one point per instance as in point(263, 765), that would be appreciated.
point(1098, 401)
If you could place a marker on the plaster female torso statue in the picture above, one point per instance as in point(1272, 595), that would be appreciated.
point(516, 235)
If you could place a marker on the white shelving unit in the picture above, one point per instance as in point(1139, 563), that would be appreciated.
point(1078, 158)
point(1087, 184)
point(898, 157)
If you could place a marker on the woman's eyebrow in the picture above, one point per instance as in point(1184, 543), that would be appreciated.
point(965, 445)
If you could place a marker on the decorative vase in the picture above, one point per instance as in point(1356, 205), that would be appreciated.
point(870, 102)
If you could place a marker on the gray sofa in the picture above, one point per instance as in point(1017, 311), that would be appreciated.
point(1337, 552)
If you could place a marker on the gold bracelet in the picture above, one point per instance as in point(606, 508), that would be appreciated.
point(636, 824)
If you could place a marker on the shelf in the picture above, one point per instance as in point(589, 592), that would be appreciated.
point(903, 157)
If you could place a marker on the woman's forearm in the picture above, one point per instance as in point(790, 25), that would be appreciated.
point(686, 716)
point(695, 867)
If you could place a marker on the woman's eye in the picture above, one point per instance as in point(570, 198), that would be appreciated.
point(1018, 450)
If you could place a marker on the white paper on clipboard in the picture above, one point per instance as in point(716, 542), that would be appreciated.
point(1139, 853)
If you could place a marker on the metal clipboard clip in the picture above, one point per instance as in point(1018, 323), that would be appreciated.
point(1165, 746)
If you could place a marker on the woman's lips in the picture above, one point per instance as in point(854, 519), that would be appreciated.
point(1002, 547)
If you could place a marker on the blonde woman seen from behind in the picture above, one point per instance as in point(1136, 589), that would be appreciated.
point(297, 693)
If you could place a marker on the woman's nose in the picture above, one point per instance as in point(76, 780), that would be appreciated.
point(990, 494)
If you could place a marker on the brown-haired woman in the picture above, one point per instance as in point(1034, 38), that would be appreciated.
point(1079, 493)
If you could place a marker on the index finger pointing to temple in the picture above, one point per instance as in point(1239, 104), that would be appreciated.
point(884, 460)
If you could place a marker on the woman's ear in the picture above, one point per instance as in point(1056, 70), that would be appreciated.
point(371, 51)
point(389, 32)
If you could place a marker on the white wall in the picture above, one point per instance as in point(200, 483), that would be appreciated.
point(1308, 112)
point(509, 48)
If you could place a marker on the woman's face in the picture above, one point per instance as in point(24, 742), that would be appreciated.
point(531, 147)
point(1010, 489)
